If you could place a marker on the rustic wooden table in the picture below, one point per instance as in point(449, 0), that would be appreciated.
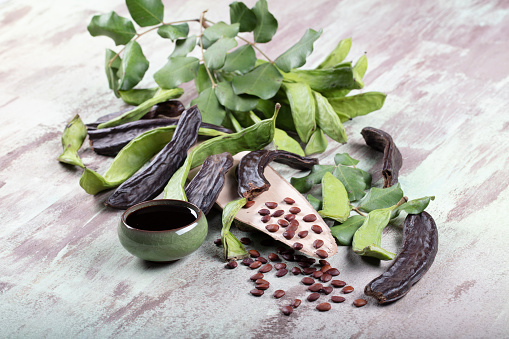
point(63, 273)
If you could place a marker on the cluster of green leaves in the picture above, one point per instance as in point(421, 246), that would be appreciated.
point(344, 183)
point(232, 84)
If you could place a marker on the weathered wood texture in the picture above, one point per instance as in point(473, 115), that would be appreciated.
point(63, 272)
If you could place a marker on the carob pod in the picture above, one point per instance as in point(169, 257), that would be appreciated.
point(419, 249)
point(170, 108)
point(392, 160)
point(250, 170)
point(205, 187)
point(147, 183)
point(109, 141)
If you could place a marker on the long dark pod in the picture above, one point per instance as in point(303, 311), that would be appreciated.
point(419, 250)
point(148, 182)
point(205, 187)
point(250, 170)
point(109, 141)
point(392, 160)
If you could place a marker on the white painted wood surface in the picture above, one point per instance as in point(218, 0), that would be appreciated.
point(63, 272)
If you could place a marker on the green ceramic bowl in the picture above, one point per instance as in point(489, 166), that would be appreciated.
point(162, 230)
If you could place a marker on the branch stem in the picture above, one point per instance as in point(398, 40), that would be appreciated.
point(358, 210)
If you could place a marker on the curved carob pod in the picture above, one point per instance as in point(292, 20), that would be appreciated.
point(109, 141)
point(392, 161)
point(147, 183)
point(419, 249)
point(205, 187)
point(250, 170)
point(170, 108)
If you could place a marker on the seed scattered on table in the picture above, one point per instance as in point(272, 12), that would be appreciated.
point(265, 218)
point(264, 211)
point(347, 289)
point(287, 256)
point(298, 246)
point(322, 254)
point(256, 276)
point(309, 270)
point(359, 302)
point(289, 201)
point(294, 210)
point(255, 265)
point(323, 307)
point(265, 268)
point(272, 228)
point(313, 296)
point(333, 271)
point(283, 223)
point(247, 261)
point(262, 260)
point(317, 274)
point(294, 223)
point(261, 281)
point(248, 204)
point(337, 299)
point(303, 234)
point(278, 213)
point(245, 241)
point(289, 234)
point(282, 272)
point(327, 289)
point(295, 271)
point(292, 228)
point(279, 293)
point(271, 204)
point(323, 262)
point(231, 264)
point(315, 287)
point(304, 264)
point(318, 243)
point(295, 303)
point(274, 257)
point(254, 253)
point(309, 218)
point(317, 229)
point(308, 281)
point(338, 283)
point(289, 217)
point(287, 310)
point(326, 277)
point(263, 286)
point(325, 268)
point(256, 292)
point(279, 266)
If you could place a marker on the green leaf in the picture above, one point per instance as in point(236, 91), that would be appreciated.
point(134, 66)
point(305, 183)
point(344, 233)
point(337, 55)
point(378, 198)
point(328, 120)
point(211, 111)
point(173, 32)
point(183, 46)
point(415, 206)
point(139, 111)
point(296, 55)
point(202, 80)
point(241, 60)
point(220, 30)
point(368, 238)
point(136, 97)
point(263, 81)
point(345, 159)
point(317, 143)
point(357, 105)
point(233, 248)
point(284, 118)
point(241, 14)
point(72, 138)
point(335, 199)
point(112, 70)
point(177, 71)
point(315, 203)
point(146, 12)
point(302, 103)
point(284, 142)
point(266, 24)
point(353, 180)
point(360, 67)
point(215, 55)
point(230, 100)
point(325, 79)
point(120, 29)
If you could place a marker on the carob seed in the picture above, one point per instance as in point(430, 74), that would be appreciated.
point(282, 272)
point(317, 229)
point(278, 213)
point(322, 254)
point(283, 223)
point(326, 277)
point(323, 307)
point(256, 292)
point(287, 310)
point(303, 234)
point(248, 204)
point(298, 246)
point(296, 271)
point(262, 260)
point(271, 204)
point(274, 257)
point(325, 268)
point(294, 210)
point(267, 268)
point(279, 293)
point(313, 296)
point(263, 286)
point(318, 243)
point(333, 271)
point(359, 302)
point(309, 218)
point(290, 217)
point(247, 261)
point(327, 290)
point(295, 303)
point(287, 256)
point(256, 276)
point(264, 211)
point(265, 218)
point(272, 228)
point(294, 223)
point(287, 250)
point(254, 253)
point(231, 264)
point(323, 262)
point(338, 283)
point(315, 287)
point(292, 228)
point(279, 266)
point(289, 201)
point(308, 270)
point(347, 289)
point(261, 281)
point(303, 264)
point(317, 274)
point(308, 281)
point(337, 299)
point(218, 242)
point(245, 241)
point(289, 234)
point(255, 265)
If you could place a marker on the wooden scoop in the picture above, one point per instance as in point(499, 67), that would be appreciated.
point(279, 190)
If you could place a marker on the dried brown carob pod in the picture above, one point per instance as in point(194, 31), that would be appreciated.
point(419, 249)
point(148, 182)
point(392, 161)
point(205, 187)
point(170, 108)
point(250, 170)
point(109, 141)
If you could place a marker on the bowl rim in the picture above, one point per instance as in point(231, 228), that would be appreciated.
point(156, 202)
